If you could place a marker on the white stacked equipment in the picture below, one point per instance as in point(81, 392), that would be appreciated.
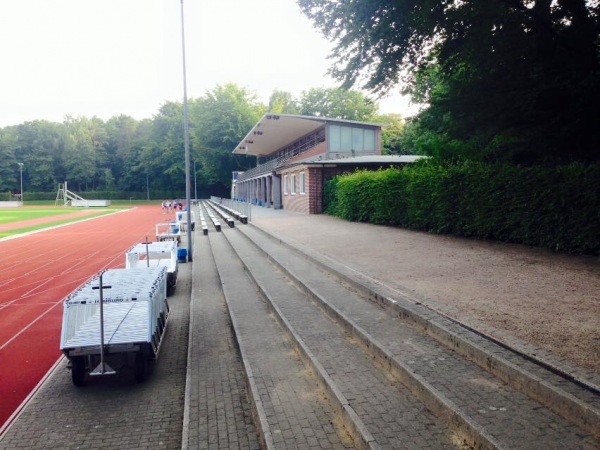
point(155, 254)
point(134, 319)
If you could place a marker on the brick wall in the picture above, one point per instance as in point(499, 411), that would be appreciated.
point(315, 190)
point(320, 149)
point(296, 202)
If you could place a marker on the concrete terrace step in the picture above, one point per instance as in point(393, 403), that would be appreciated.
point(566, 393)
point(383, 413)
point(224, 212)
point(213, 222)
point(212, 216)
point(289, 407)
point(474, 402)
point(217, 410)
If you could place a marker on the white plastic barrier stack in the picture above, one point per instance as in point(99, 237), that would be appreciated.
point(135, 305)
point(155, 254)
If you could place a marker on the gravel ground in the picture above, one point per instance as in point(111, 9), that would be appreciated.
point(546, 299)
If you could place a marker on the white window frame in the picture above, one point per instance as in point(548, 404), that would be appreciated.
point(285, 185)
point(293, 184)
point(302, 183)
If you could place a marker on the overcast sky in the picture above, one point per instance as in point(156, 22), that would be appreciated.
point(108, 57)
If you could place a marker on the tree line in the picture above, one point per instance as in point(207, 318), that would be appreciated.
point(505, 81)
point(509, 81)
point(123, 154)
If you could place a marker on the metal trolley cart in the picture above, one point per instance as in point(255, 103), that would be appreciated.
point(155, 254)
point(117, 318)
point(168, 232)
point(181, 217)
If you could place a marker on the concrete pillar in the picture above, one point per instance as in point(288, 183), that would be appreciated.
point(269, 192)
point(261, 196)
point(277, 192)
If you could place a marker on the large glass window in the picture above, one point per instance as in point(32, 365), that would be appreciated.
point(334, 138)
point(343, 139)
point(357, 139)
point(346, 137)
point(369, 140)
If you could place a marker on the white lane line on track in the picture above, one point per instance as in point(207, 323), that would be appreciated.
point(40, 256)
point(12, 339)
point(115, 257)
point(36, 289)
point(37, 304)
point(5, 282)
point(37, 257)
point(32, 293)
point(29, 233)
point(51, 261)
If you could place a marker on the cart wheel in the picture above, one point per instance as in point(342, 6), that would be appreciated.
point(78, 371)
point(140, 370)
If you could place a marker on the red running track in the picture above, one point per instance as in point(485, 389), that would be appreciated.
point(36, 273)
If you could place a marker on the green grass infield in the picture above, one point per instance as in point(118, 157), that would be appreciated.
point(16, 215)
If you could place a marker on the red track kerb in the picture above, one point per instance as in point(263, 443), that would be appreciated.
point(37, 272)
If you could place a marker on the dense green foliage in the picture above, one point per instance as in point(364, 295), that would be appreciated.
point(510, 81)
point(555, 208)
point(337, 104)
point(126, 158)
point(334, 103)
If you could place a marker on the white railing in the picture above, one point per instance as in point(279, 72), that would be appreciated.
point(241, 207)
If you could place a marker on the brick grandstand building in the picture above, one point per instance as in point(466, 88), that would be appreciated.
point(296, 155)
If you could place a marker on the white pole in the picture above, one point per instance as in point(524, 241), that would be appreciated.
point(21, 171)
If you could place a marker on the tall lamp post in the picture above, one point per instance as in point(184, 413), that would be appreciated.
point(21, 172)
point(186, 132)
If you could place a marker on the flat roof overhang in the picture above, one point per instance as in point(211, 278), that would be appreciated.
point(363, 161)
point(275, 131)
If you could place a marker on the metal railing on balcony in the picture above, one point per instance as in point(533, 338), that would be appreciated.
point(283, 156)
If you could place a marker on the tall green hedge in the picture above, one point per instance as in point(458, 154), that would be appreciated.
point(556, 208)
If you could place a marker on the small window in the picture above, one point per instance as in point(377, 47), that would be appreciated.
point(285, 185)
point(293, 181)
point(302, 182)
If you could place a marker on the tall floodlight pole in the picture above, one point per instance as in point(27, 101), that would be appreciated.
point(186, 133)
point(21, 171)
